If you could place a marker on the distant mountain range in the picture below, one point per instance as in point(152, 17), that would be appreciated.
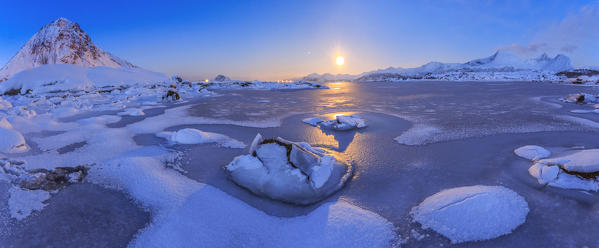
point(60, 42)
point(503, 65)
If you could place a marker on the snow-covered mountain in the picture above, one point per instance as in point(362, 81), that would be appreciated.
point(60, 42)
point(503, 65)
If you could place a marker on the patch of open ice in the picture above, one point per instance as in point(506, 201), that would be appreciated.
point(472, 213)
point(532, 152)
point(190, 136)
point(288, 171)
point(22, 202)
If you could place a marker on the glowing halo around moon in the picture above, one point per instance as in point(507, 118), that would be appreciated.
point(340, 60)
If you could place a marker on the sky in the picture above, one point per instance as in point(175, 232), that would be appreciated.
point(271, 40)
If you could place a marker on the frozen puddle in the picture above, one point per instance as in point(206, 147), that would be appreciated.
point(569, 170)
point(472, 213)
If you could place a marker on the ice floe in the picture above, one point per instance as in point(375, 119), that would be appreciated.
point(531, 152)
point(190, 136)
point(569, 170)
point(340, 123)
point(472, 213)
point(288, 171)
point(132, 112)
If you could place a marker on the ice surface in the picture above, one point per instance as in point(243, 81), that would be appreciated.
point(472, 213)
point(532, 152)
point(190, 136)
point(289, 172)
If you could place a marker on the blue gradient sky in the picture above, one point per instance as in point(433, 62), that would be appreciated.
point(283, 39)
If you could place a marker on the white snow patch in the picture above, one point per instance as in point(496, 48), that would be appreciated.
point(132, 112)
point(419, 134)
point(314, 121)
point(23, 202)
point(472, 213)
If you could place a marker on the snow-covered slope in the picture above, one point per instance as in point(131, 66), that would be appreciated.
point(60, 42)
point(503, 65)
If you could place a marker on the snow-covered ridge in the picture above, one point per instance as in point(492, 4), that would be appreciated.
point(60, 42)
point(503, 66)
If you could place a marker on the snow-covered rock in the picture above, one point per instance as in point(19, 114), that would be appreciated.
point(11, 141)
point(60, 42)
point(343, 122)
point(580, 98)
point(584, 161)
point(472, 213)
point(572, 170)
point(288, 171)
point(191, 136)
point(532, 152)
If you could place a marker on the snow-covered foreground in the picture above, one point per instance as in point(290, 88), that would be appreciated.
point(424, 143)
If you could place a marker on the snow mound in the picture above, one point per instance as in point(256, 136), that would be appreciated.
point(11, 141)
point(65, 77)
point(192, 136)
point(531, 152)
point(340, 123)
point(288, 171)
point(4, 104)
point(472, 213)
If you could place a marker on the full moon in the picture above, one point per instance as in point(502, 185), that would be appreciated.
point(340, 60)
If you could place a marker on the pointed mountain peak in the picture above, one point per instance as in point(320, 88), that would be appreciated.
point(60, 42)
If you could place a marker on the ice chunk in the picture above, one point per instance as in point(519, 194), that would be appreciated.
point(190, 136)
point(532, 152)
point(22, 202)
point(313, 121)
point(288, 171)
point(472, 213)
point(344, 122)
point(11, 141)
point(577, 170)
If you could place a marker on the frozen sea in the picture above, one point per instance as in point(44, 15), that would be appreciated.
point(422, 137)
